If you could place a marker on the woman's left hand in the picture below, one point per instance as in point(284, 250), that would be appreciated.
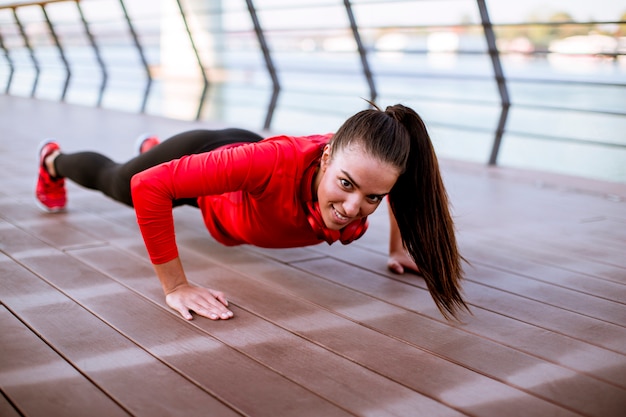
point(400, 261)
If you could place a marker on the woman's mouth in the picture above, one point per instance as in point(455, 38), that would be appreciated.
point(338, 217)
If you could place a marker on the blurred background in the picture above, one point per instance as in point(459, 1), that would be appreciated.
point(537, 84)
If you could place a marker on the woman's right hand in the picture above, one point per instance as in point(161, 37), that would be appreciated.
point(203, 301)
point(183, 297)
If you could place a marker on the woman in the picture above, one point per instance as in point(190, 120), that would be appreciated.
point(280, 192)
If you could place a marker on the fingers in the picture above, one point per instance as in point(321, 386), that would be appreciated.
point(395, 266)
point(211, 307)
point(219, 296)
point(184, 312)
point(180, 307)
point(204, 302)
point(213, 314)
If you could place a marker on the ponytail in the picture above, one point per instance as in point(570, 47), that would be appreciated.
point(420, 205)
point(418, 200)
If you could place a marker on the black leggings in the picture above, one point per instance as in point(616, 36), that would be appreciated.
point(96, 171)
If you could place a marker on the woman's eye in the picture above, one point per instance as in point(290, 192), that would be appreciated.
point(345, 183)
point(375, 198)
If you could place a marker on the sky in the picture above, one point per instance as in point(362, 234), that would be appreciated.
point(581, 10)
point(499, 10)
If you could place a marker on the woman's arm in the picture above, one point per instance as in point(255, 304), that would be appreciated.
point(153, 191)
point(183, 297)
point(399, 258)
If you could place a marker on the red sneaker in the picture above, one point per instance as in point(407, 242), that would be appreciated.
point(146, 142)
point(50, 192)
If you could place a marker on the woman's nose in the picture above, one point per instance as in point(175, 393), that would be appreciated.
point(352, 206)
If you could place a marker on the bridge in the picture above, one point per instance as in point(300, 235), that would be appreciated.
point(323, 330)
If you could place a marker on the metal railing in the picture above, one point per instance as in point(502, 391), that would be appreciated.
point(304, 65)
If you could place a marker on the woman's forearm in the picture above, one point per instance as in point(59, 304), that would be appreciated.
point(171, 275)
point(395, 239)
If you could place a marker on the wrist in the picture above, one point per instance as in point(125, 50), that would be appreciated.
point(171, 290)
point(171, 276)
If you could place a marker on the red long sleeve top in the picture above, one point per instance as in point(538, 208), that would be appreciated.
point(248, 194)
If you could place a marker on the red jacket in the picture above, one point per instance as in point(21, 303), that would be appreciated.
point(248, 194)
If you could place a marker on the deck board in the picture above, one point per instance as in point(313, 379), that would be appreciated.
point(163, 344)
point(280, 349)
point(129, 374)
point(29, 364)
point(6, 408)
point(323, 330)
point(523, 264)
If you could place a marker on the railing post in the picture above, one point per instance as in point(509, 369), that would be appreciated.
point(500, 80)
point(30, 50)
point(68, 72)
point(200, 65)
point(144, 61)
point(362, 52)
point(11, 66)
point(268, 63)
point(96, 50)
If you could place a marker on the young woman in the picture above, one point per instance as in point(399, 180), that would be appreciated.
point(280, 192)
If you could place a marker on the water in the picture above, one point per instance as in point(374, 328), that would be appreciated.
point(320, 90)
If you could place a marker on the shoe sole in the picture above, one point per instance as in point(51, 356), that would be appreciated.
point(47, 209)
point(139, 141)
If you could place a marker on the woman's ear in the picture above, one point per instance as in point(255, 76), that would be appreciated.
point(325, 160)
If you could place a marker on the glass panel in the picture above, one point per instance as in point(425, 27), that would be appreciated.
point(563, 61)
point(563, 124)
point(604, 163)
point(415, 13)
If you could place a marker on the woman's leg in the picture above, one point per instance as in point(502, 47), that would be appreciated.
point(95, 171)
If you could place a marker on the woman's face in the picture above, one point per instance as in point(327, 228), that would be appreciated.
point(351, 185)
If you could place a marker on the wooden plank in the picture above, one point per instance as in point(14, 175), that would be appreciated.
point(111, 212)
point(393, 293)
point(369, 348)
point(242, 382)
point(573, 202)
point(41, 383)
point(340, 380)
point(517, 275)
point(611, 230)
point(555, 255)
point(575, 245)
point(552, 214)
point(368, 312)
point(518, 261)
point(584, 304)
point(565, 238)
point(535, 313)
point(554, 218)
point(52, 229)
point(101, 260)
point(6, 409)
point(550, 318)
point(128, 374)
point(609, 365)
point(19, 242)
point(495, 323)
point(571, 189)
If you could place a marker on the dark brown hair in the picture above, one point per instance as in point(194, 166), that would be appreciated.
point(419, 201)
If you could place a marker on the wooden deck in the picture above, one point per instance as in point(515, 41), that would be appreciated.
point(319, 331)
